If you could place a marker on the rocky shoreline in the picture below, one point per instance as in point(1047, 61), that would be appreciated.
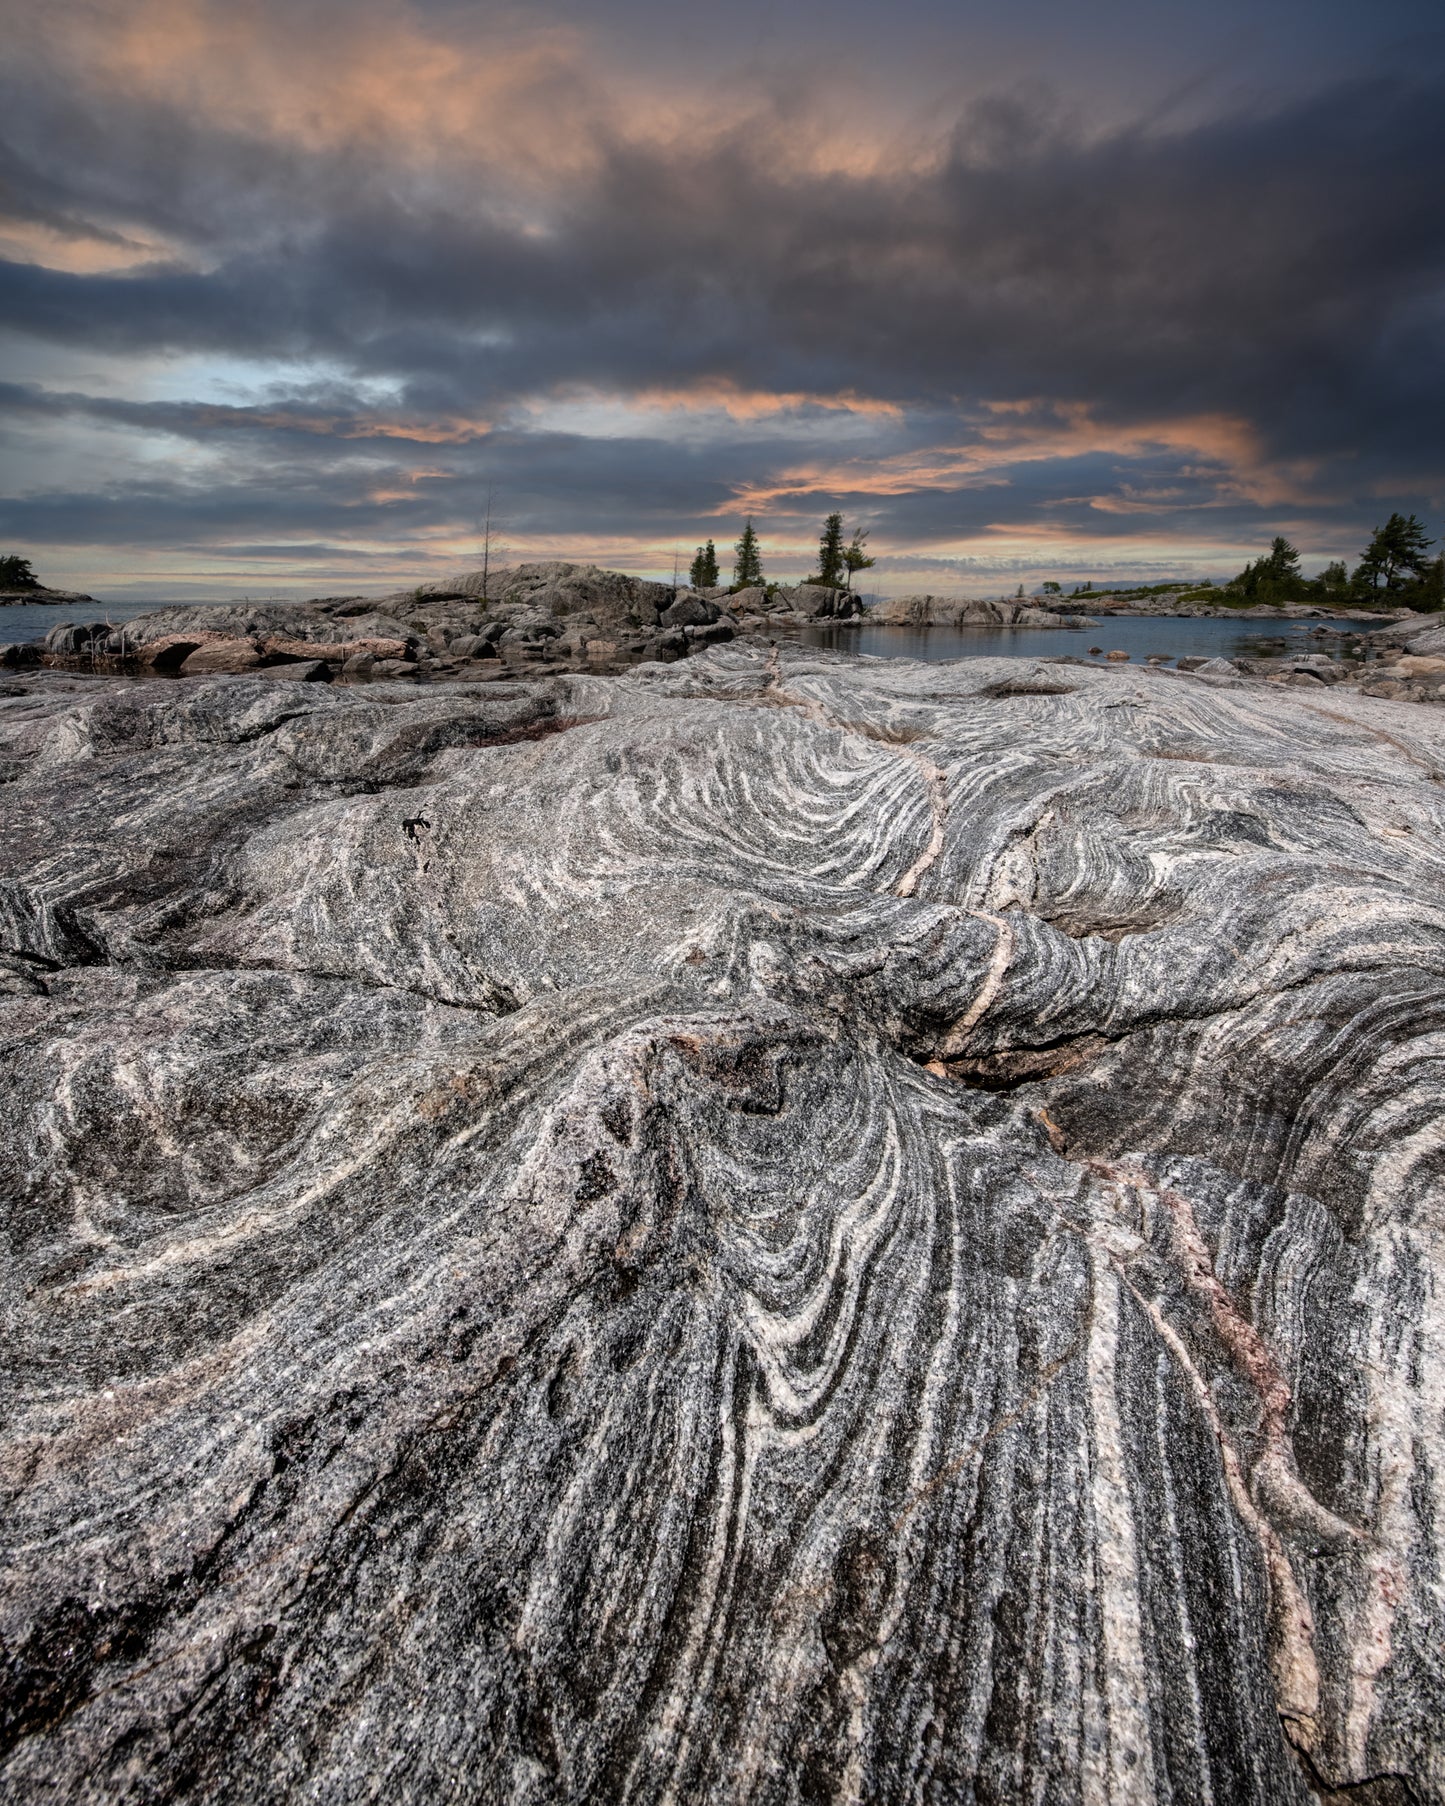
point(561, 617)
point(771, 1226)
point(539, 616)
point(42, 596)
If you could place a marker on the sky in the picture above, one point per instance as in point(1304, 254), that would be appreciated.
point(1029, 289)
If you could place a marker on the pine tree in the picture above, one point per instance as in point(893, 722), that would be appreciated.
point(830, 552)
point(709, 566)
point(1275, 577)
point(1431, 593)
point(748, 571)
point(697, 570)
point(1395, 554)
point(16, 574)
point(854, 557)
point(1334, 580)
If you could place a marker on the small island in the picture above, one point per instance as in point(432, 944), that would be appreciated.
point(19, 585)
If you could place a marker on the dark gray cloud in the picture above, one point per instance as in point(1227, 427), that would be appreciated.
point(1188, 334)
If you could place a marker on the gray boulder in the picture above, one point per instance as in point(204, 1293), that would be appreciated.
point(67, 638)
point(818, 602)
point(689, 610)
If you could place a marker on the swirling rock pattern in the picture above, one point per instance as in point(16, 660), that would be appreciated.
point(758, 1231)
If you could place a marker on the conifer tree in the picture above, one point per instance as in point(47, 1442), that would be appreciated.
point(748, 571)
point(708, 572)
point(1395, 555)
point(830, 552)
point(697, 570)
point(855, 558)
point(15, 573)
point(1275, 577)
point(1432, 585)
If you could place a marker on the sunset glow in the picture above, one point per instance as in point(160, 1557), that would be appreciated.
point(287, 290)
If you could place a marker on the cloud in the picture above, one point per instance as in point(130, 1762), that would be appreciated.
point(640, 317)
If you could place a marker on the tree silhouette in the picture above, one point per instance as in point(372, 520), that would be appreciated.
point(830, 552)
point(703, 572)
point(1395, 555)
point(15, 573)
point(855, 558)
point(748, 571)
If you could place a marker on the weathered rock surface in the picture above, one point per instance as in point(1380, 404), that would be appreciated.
point(964, 611)
point(783, 1231)
point(552, 614)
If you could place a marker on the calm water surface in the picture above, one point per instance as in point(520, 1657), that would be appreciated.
point(1140, 639)
point(30, 621)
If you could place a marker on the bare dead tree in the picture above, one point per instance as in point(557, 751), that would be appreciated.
point(489, 527)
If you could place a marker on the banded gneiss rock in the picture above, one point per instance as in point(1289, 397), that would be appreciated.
point(774, 1231)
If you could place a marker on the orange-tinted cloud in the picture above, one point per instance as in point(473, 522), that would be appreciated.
point(1033, 432)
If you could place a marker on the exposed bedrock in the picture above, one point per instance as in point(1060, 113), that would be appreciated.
point(967, 611)
point(762, 1231)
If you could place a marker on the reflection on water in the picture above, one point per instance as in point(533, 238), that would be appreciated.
point(1139, 638)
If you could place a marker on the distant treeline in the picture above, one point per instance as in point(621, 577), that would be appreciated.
point(1396, 568)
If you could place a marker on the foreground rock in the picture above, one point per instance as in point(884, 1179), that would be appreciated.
point(791, 1231)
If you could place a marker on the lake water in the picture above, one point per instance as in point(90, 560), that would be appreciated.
point(1139, 638)
point(31, 621)
point(1169, 639)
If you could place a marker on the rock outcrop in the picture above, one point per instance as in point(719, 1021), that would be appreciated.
point(41, 594)
point(964, 611)
point(759, 1230)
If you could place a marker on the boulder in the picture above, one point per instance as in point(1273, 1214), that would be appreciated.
point(221, 656)
point(1428, 642)
point(818, 602)
point(67, 639)
point(301, 671)
point(688, 610)
point(19, 655)
point(166, 654)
